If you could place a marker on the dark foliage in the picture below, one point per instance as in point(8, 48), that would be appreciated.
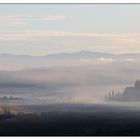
point(63, 123)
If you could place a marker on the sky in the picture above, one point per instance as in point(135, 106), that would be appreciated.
point(41, 29)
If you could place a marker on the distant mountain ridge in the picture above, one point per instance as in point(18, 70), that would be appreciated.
point(18, 62)
point(74, 54)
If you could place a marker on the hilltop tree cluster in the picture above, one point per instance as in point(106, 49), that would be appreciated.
point(129, 94)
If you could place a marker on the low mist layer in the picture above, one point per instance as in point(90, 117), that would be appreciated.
point(85, 83)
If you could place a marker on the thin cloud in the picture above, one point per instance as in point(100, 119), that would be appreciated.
point(85, 60)
point(115, 43)
point(40, 35)
point(102, 59)
point(21, 19)
point(130, 60)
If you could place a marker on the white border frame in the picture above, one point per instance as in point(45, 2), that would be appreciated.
point(70, 1)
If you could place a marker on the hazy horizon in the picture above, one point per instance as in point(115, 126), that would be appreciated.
point(68, 52)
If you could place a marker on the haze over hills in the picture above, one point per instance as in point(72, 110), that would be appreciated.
point(67, 75)
point(18, 62)
point(74, 55)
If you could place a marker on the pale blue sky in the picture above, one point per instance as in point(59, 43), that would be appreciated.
point(69, 28)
